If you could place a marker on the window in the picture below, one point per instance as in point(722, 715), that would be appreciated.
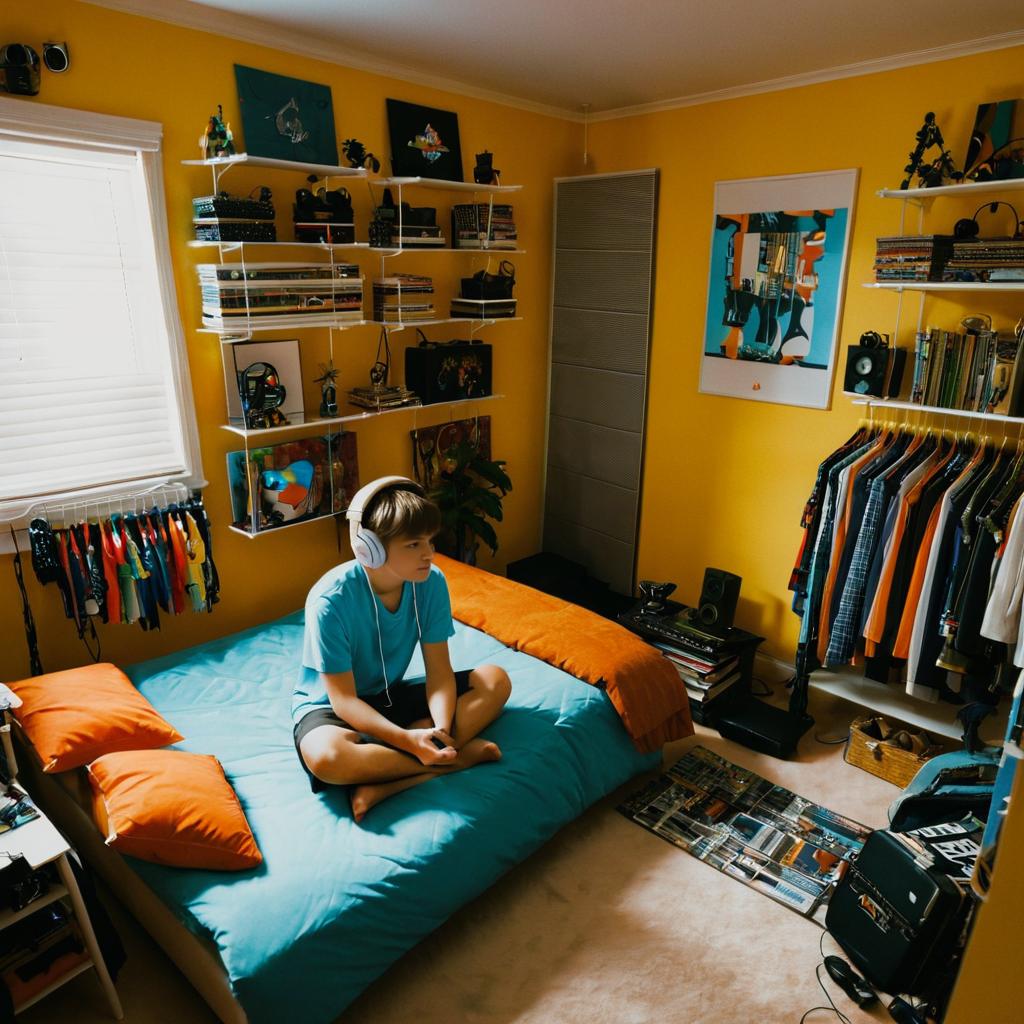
point(95, 398)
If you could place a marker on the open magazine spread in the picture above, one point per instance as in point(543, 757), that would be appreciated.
point(745, 826)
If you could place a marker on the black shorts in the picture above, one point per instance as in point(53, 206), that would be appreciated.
point(408, 704)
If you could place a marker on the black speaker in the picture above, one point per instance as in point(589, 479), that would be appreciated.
point(718, 597)
point(874, 368)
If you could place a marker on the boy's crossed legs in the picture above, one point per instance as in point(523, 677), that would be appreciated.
point(337, 755)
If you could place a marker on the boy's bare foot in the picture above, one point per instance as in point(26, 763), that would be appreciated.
point(476, 751)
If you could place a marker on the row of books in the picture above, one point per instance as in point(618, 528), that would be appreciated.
point(977, 371)
point(403, 297)
point(278, 292)
point(707, 677)
point(912, 257)
point(478, 225)
point(986, 259)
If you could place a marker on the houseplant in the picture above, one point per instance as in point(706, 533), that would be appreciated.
point(469, 492)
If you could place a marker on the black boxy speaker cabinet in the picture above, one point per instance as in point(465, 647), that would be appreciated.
point(718, 598)
point(874, 370)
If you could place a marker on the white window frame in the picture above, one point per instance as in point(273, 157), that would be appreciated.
point(39, 122)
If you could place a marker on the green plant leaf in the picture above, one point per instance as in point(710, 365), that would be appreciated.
point(483, 530)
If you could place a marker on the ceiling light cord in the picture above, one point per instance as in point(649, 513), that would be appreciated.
point(585, 107)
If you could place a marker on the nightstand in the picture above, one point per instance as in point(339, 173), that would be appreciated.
point(39, 843)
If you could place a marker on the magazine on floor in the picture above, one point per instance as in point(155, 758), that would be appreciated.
point(773, 840)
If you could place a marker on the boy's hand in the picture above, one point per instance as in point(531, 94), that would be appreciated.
point(423, 747)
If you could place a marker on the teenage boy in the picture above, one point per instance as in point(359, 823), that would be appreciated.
point(357, 723)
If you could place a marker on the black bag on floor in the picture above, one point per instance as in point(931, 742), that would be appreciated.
point(899, 914)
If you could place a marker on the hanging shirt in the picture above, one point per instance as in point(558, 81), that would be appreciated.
point(196, 550)
point(113, 590)
point(176, 535)
point(1003, 611)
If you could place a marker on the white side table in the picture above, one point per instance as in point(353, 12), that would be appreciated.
point(40, 843)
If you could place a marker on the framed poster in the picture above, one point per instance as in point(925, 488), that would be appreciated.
point(286, 118)
point(778, 267)
point(990, 154)
point(284, 357)
point(424, 142)
point(429, 445)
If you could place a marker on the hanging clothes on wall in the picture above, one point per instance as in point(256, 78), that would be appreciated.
point(912, 565)
point(129, 567)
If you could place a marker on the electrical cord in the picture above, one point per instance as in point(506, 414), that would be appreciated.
point(766, 692)
point(817, 974)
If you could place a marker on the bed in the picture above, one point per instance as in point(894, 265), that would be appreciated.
point(334, 903)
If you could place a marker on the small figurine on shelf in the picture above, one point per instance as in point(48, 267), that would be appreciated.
point(217, 140)
point(328, 390)
point(357, 156)
point(484, 173)
point(942, 169)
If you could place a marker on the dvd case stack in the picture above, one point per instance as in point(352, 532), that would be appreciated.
point(417, 236)
point(224, 218)
point(986, 259)
point(383, 397)
point(403, 298)
point(912, 257)
point(280, 293)
point(482, 226)
point(977, 371)
point(483, 309)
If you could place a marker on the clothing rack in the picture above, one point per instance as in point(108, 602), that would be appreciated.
point(163, 494)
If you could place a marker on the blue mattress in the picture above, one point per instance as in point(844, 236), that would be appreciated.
point(335, 903)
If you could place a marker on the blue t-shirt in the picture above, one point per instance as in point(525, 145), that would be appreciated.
point(341, 632)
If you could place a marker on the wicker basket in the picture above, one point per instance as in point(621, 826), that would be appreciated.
point(871, 748)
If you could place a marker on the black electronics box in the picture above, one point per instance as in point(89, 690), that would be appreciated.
point(762, 727)
point(874, 370)
point(448, 371)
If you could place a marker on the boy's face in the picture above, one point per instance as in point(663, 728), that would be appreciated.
point(410, 557)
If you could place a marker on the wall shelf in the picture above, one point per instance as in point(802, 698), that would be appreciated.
point(353, 417)
point(490, 250)
point(238, 159)
point(968, 189)
point(947, 286)
point(445, 186)
point(232, 246)
point(886, 403)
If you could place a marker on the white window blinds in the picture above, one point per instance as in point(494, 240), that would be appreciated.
point(92, 394)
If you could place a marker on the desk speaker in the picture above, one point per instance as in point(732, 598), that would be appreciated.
point(718, 598)
point(874, 370)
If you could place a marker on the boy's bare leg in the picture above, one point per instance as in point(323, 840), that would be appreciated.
point(339, 757)
point(474, 752)
point(475, 710)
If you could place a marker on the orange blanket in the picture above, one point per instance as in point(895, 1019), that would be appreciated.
point(643, 687)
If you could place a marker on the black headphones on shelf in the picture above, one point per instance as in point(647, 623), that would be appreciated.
point(968, 227)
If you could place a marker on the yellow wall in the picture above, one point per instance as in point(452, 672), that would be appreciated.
point(134, 67)
point(725, 479)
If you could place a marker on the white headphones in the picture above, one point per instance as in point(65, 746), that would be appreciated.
point(367, 547)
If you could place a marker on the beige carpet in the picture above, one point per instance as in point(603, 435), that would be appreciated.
point(606, 924)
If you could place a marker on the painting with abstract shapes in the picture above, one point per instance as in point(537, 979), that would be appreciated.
point(424, 142)
point(995, 151)
point(286, 118)
point(281, 484)
point(429, 445)
point(778, 267)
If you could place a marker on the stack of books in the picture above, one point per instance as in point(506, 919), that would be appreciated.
point(483, 309)
point(224, 218)
point(402, 298)
point(977, 371)
point(986, 259)
point(280, 293)
point(383, 397)
point(912, 257)
point(417, 236)
point(482, 226)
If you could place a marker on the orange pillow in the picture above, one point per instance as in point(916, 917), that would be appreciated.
point(171, 807)
point(73, 717)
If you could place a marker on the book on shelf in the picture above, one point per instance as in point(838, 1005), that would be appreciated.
point(973, 371)
point(276, 273)
point(483, 225)
point(912, 257)
point(705, 695)
point(986, 259)
point(483, 309)
point(318, 318)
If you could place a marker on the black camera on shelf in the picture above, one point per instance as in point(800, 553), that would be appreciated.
point(19, 69)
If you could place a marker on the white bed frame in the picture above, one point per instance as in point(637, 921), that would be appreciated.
point(197, 958)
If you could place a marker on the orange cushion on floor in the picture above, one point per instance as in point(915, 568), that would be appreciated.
point(171, 807)
point(73, 717)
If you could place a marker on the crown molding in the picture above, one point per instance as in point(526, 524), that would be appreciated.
point(263, 33)
point(866, 67)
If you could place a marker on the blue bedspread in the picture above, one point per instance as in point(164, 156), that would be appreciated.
point(335, 903)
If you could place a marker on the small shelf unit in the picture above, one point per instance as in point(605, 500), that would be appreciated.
point(965, 190)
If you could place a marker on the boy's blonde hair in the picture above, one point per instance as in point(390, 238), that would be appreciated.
point(403, 510)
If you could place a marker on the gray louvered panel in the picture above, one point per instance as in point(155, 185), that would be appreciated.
point(606, 213)
point(599, 338)
point(592, 503)
point(611, 455)
point(608, 560)
point(598, 396)
point(587, 279)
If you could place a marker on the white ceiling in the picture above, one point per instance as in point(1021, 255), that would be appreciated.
point(611, 54)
